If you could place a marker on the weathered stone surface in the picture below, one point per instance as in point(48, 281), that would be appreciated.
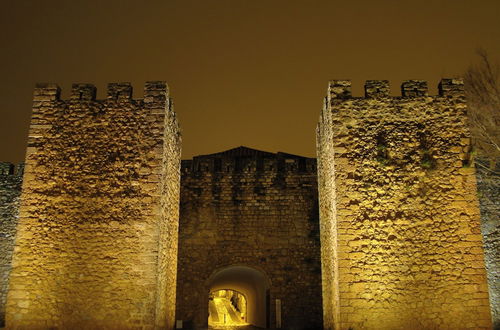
point(400, 228)
point(257, 209)
point(488, 185)
point(401, 247)
point(97, 233)
point(10, 190)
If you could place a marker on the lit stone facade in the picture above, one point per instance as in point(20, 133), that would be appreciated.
point(255, 209)
point(96, 243)
point(10, 190)
point(399, 214)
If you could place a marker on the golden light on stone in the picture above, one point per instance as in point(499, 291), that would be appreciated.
point(96, 243)
point(399, 216)
point(227, 308)
point(249, 222)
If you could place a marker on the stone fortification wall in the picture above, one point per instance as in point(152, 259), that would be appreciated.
point(256, 209)
point(488, 185)
point(328, 224)
point(402, 246)
point(10, 190)
point(95, 245)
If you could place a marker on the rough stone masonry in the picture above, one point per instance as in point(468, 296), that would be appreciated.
point(96, 243)
point(96, 240)
point(10, 190)
point(400, 228)
point(256, 209)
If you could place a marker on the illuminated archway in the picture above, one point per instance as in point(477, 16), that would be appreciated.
point(227, 307)
point(253, 284)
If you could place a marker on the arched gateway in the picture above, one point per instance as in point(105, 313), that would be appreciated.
point(245, 213)
point(252, 284)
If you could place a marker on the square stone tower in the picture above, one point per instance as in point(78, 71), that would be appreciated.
point(399, 215)
point(96, 243)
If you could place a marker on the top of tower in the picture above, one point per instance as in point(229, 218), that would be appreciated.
point(341, 89)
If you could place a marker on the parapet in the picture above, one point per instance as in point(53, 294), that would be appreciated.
point(414, 88)
point(46, 92)
point(341, 89)
point(83, 92)
point(243, 160)
point(154, 92)
point(7, 168)
point(119, 91)
point(451, 87)
point(377, 88)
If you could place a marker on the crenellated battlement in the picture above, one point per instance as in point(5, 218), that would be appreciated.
point(244, 160)
point(154, 91)
point(10, 169)
point(120, 91)
point(101, 171)
point(46, 92)
point(451, 87)
point(377, 88)
point(414, 88)
point(341, 89)
point(83, 92)
point(396, 182)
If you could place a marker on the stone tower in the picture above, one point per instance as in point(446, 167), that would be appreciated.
point(96, 242)
point(400, 227)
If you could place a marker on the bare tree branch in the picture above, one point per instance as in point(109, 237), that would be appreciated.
point(482, 87)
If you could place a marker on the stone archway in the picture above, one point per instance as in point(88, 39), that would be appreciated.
point(254, 284)
point(227, 307)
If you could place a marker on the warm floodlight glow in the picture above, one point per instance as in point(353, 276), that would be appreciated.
point(227, 308)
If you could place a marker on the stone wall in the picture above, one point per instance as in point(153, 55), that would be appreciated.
point(399, 210)
point(256, 209)
point(10, 190)
point(488, 186)
point(96, 239)
point(328, 223)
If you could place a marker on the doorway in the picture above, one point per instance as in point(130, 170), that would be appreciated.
point(227, 307)
point(238, 295)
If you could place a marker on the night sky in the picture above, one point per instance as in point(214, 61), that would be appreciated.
point(250, 73)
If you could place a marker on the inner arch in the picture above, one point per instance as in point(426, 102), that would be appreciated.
point(251, 283)
point(227, 307)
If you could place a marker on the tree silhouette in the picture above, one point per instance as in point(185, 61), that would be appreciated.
point(482, 88)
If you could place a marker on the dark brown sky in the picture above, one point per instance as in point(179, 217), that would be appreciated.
point(241, 72)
